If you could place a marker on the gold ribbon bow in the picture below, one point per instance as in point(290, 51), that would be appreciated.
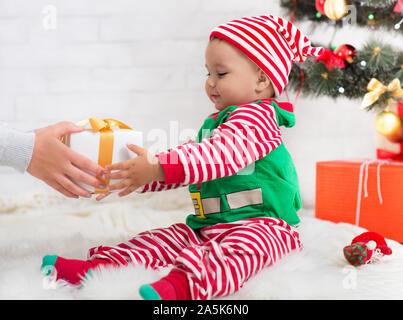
point(98, 125)
point(105, 143)
point(377, 89)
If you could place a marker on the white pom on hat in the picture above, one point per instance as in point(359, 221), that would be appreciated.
point(371, 245)
point(273, 43)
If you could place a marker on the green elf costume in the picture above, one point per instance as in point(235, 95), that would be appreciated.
point(266, 188)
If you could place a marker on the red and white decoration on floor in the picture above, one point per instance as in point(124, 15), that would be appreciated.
point(367, 247)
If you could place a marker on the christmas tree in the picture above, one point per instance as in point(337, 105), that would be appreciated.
point(345, 70)
point(370, 13)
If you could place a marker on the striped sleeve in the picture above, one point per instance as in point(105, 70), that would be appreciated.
point(154, 186)
point(250, 133)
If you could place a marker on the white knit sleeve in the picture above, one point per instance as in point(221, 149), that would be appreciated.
point(15, 147)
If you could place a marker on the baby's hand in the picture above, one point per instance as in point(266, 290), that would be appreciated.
point(135, 172)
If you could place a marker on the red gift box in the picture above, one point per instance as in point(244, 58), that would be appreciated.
point(367, 193)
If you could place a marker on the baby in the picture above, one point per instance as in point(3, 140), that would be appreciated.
point(241, 178)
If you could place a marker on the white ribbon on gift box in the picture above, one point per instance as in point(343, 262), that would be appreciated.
point(364, 168)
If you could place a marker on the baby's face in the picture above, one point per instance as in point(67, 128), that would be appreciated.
point(232, 76)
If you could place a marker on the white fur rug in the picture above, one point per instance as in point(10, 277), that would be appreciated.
point(33, 225)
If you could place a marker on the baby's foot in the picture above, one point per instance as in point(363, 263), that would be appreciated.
point(72, 271)
point(172, 287)
point(160, 290)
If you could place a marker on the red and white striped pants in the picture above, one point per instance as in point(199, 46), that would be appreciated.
point(217, 260)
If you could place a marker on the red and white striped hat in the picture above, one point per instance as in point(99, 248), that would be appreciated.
point(273, 43)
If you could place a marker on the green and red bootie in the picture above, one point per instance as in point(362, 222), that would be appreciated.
point(172, 287)
point(70, 270)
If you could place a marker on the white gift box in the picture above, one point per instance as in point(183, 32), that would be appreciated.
point(87, 143)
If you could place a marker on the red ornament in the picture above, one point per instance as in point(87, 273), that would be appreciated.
point(330, 60)
point(345, 52)
point(320, 6)
point(338, 57)
point(398, 7)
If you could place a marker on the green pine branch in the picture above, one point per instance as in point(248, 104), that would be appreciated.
point(373, 14)
point(374, 60)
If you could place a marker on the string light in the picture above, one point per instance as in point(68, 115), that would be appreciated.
point(341, 90)
point(397, 25)
point(318, 15)
point(371, 16)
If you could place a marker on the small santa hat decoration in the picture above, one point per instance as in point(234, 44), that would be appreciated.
point(367, 247)
point(271, 42)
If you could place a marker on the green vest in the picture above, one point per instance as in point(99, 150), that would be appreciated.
point(267, 187)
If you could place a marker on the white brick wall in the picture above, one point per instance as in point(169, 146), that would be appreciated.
point(143, 62)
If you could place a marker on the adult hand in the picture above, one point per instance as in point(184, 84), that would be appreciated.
point(56, 164)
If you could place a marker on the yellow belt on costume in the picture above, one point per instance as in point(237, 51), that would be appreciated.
point(105, 154)
point(234, 200)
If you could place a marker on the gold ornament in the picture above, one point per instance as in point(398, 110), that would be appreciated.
point(335, 9)
point(377, 51)
point(377, 88)
point(387, 123)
